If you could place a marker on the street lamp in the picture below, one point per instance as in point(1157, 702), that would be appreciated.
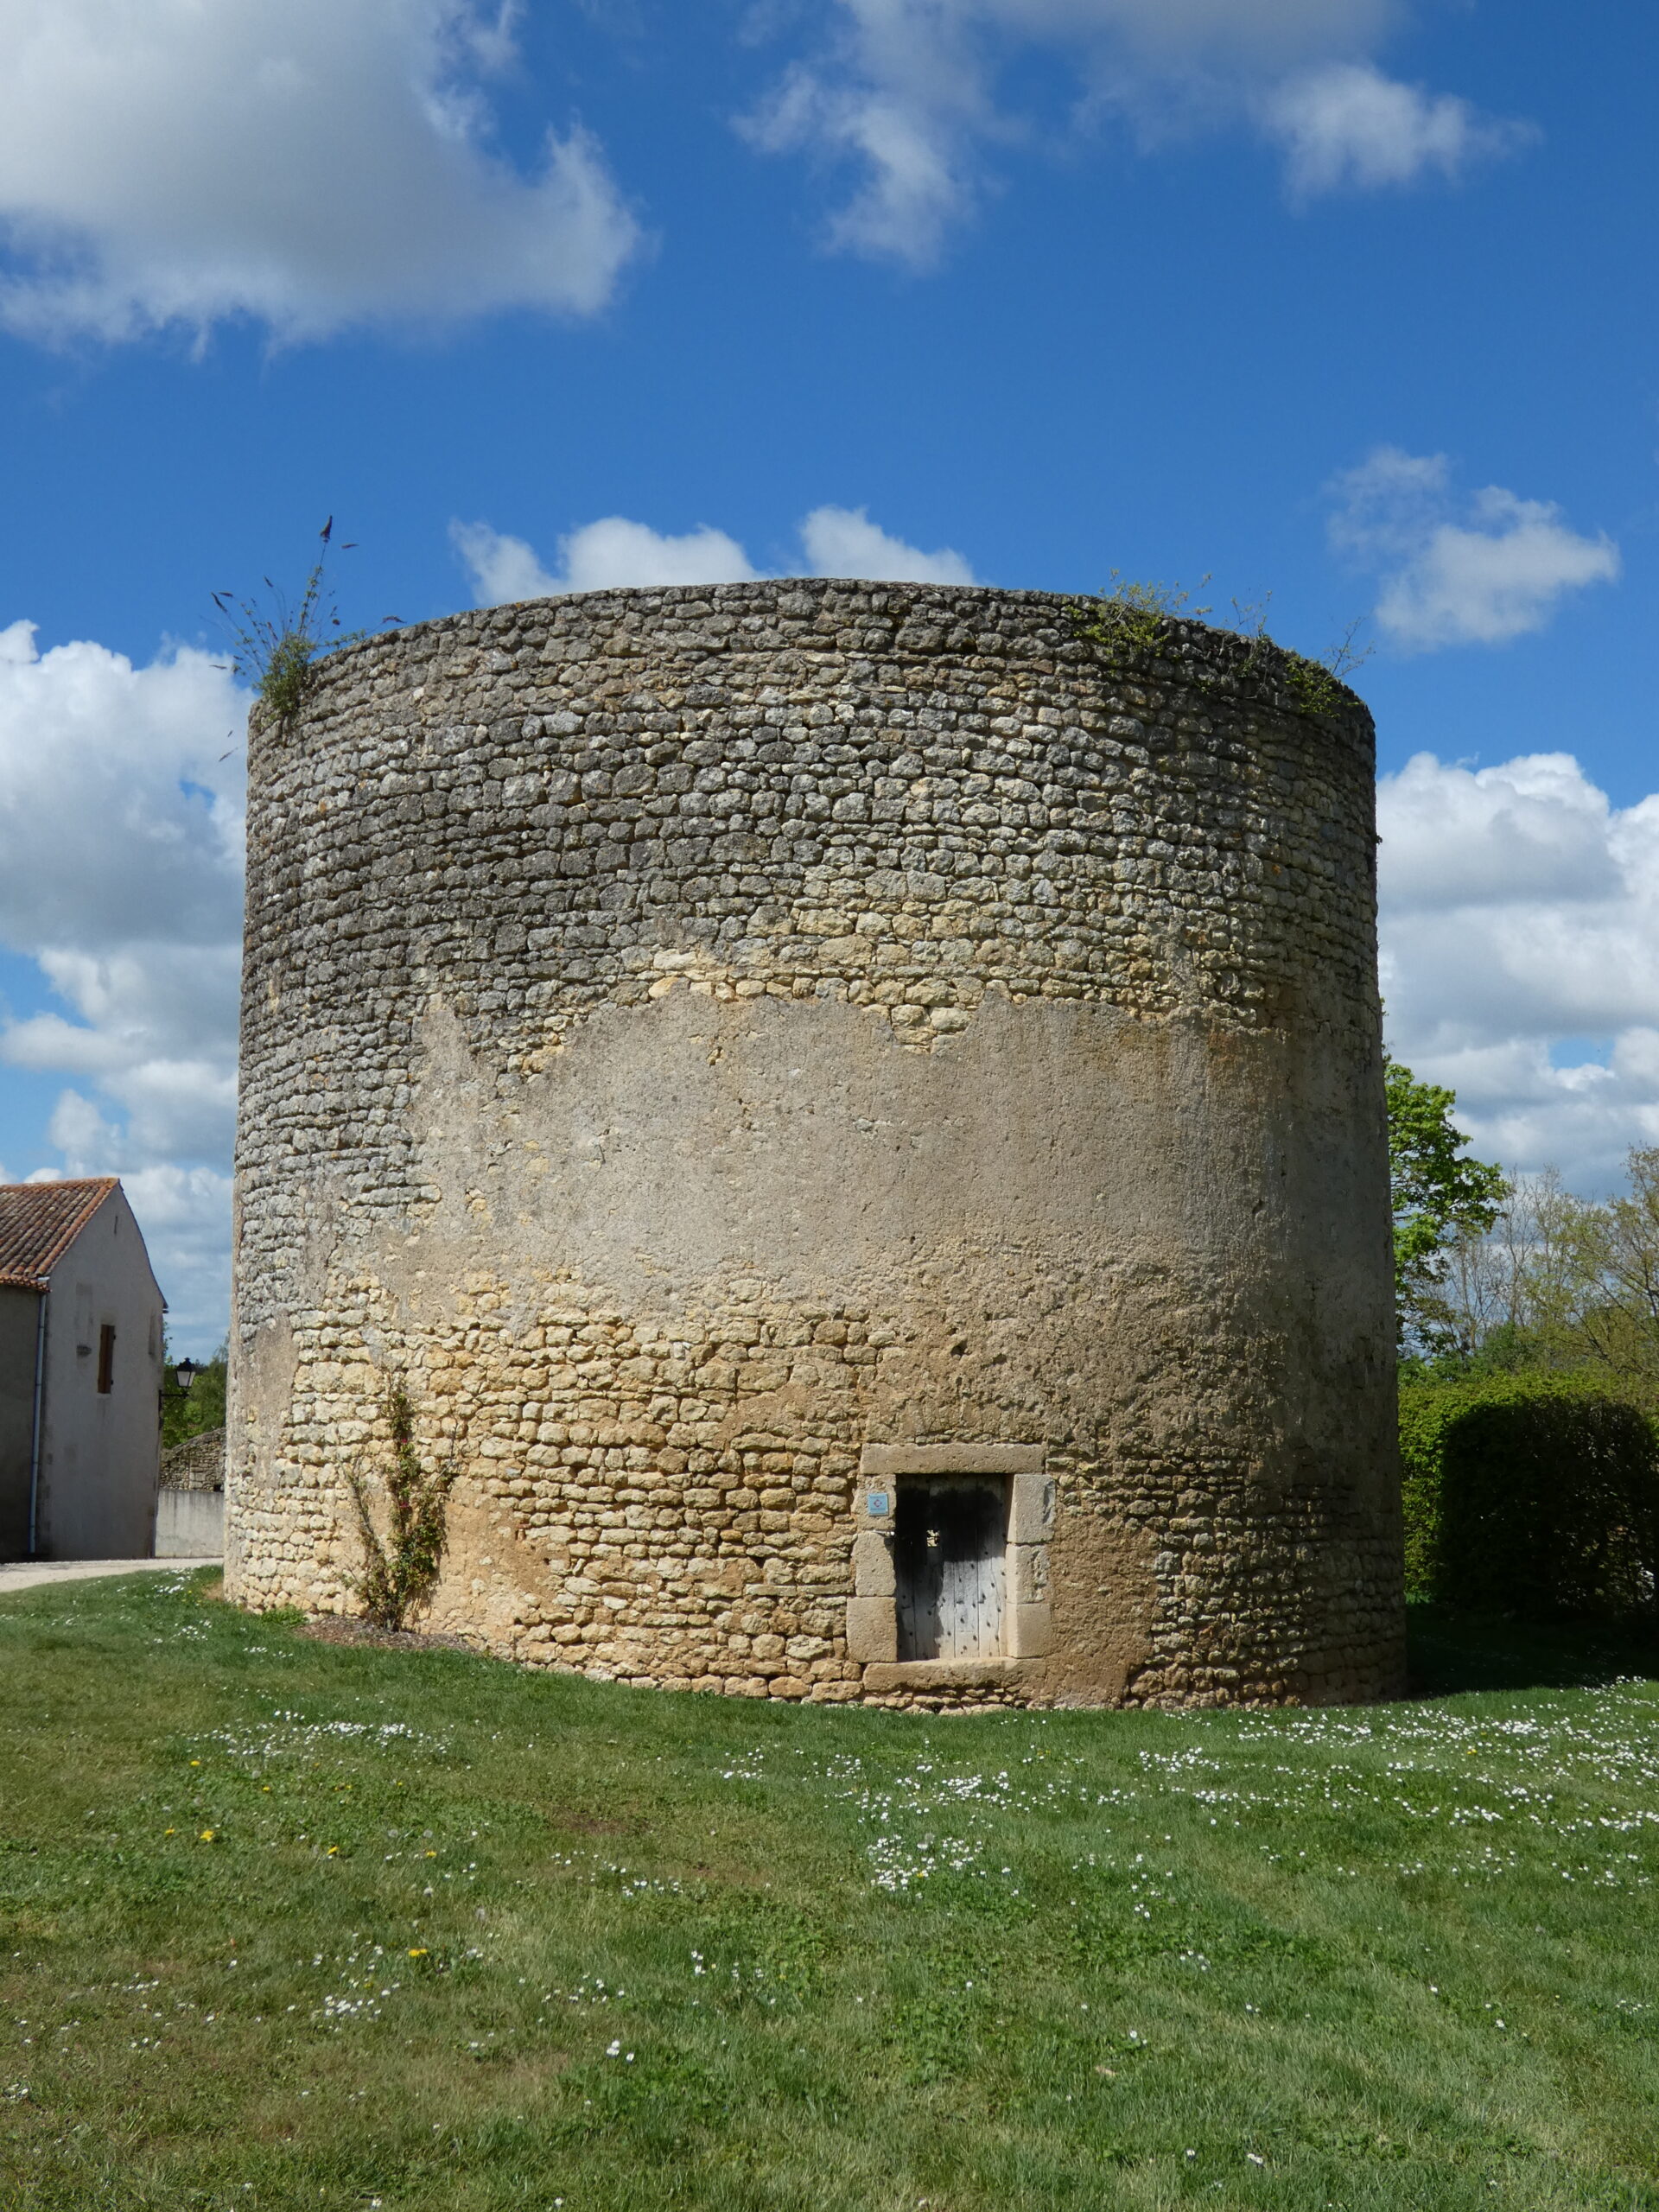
point(185, 1374)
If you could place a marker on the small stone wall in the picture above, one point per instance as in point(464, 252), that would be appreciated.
point(190, 1524)
point(197, 1464)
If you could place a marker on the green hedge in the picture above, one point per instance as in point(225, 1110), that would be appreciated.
point(1529, 1493)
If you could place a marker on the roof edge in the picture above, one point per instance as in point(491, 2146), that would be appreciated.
point(94, 1191)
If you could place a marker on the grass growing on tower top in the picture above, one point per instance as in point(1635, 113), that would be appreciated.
point(284, 1924)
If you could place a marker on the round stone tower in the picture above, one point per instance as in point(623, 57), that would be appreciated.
point(856, 1115)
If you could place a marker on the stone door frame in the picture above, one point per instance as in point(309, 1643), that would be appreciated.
point(872, 1610)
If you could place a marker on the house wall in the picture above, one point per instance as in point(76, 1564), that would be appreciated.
point(19, 1325)
point(101, 1453)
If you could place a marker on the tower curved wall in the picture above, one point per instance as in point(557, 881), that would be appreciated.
point(742, 1055)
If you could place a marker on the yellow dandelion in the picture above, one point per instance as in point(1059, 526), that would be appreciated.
point(419, 1951)
point(333, 1851)
point(172, 1831)
point(207, 1834)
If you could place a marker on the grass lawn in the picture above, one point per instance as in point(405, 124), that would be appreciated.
point(288, 1923)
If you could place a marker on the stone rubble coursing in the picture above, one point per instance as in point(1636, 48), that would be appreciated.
point(698, 1038)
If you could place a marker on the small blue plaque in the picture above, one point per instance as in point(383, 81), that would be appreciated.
point(876, 1502)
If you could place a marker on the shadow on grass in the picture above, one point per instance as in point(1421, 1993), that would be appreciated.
point(1451, 1651)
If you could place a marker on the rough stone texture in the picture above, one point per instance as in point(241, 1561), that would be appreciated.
point(197, 1464)
point(694, 1035)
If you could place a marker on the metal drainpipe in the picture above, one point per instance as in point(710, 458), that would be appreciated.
point(34, 1454)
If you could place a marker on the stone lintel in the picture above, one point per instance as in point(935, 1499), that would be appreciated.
point(882, 1462)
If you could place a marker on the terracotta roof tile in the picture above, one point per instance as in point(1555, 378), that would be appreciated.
point(40, 1221)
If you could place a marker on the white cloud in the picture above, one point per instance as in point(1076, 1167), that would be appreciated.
point(1478, 572)
point(502, 569)
point(115, 805)
point(309, 163)
point(616, 553)
point(908, 91)
point(1520, 921)
point(603, 556)
point(1347, 124)
point(844, 541)
point(121, 876)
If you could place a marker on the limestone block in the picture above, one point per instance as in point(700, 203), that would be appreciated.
point(1031, 1630)
point(1031, 1511)
point(910, 1676)
point(871, 1629)
point(1029, 1565)
point(880, 1462)
point(872, 1575)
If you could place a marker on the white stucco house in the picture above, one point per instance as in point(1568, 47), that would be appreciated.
point(80, 1374)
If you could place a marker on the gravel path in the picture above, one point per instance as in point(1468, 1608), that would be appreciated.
point(26, 1573)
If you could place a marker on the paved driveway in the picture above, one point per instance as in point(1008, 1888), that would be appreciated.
point(26, 1573)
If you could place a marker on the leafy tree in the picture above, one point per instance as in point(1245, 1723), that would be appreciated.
point(184, 1416)
point(1440, 1196)
point(1515, 1288)
point(1615, 1251)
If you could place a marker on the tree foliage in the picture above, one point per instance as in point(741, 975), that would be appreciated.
point(193, 1413)
point(1440, 1198)
point(1613, 1320)
point(1561, 1283)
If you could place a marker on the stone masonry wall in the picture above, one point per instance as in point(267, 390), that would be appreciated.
point(698, 1037)
point(198, 1463)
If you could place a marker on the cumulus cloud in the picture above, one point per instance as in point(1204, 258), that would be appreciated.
point(309, 163)
point(1476, 571)
point(1520, 911)
point(616, 553)
point(121, 876)
point(908, 93)
point(601, 556)
point(1346, 124)
point(844, 541)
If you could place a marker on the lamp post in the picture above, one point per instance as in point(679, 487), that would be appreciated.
point(184, 1373)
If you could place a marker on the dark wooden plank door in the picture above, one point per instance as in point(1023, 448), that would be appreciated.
point(949, 1556)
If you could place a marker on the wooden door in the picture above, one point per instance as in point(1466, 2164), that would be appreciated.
point(949, 1556)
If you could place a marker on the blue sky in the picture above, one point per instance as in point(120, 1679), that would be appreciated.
point(1345, 300)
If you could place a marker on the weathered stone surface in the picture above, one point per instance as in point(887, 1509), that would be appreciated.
point(976, 1681)
point(694, 1036)
point(197, 1464)
point(872, 1633)
point(873, 1574)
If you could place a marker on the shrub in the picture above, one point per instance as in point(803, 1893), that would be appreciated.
point(400, 1569)
point(1533, 1493)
